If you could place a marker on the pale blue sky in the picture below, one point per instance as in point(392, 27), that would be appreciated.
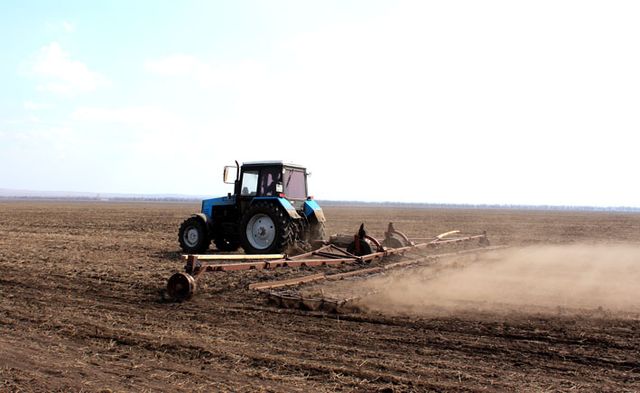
point(458, 102)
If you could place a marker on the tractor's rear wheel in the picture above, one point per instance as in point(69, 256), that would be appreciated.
point(194, 236)
point(317, 232)
point(265, 229)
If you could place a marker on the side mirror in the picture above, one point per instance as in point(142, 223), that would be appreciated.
point(225, 176)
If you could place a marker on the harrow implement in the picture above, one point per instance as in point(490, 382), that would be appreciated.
point(339, 250)
point(284, 293)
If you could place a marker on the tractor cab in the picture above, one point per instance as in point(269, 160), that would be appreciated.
point(271, 179)
point(268, 212)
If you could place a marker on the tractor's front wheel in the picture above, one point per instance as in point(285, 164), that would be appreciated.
point(194, 236)
point(265, 229)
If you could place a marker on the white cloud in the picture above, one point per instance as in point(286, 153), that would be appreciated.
point(68, 27)
point(149, 144)
point(46, 134)
point(150, 130)
point(62, 75)
point(137, 116)
point(39, 140)
point(205, 73)
point(56, 27)
point(175, 65)
point(35, 106)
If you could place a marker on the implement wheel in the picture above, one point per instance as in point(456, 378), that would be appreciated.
point(181, 286)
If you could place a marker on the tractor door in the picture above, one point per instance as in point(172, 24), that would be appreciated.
point(264, 181)
point(248, 188)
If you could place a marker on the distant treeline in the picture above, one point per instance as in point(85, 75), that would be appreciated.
point(404, 205)
point(479, 206)
point(100, 199)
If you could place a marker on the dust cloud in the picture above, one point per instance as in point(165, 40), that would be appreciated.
point(530, 279)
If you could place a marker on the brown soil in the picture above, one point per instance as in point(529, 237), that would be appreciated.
point(82, 309)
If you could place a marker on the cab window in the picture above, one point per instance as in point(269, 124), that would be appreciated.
point(270, 178)
point(295, 185)
point(249, 183)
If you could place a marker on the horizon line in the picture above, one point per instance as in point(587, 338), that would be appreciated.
point(117, 197)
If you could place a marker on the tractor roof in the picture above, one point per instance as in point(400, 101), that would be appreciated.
point(272, 163)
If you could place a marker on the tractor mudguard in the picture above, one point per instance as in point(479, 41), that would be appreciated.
point(311, 209)
point(206, 220)
point(286, 205)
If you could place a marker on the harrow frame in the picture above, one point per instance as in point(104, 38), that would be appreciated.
point(182, 286)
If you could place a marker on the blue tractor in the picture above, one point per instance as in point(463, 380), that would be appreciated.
point(269, 212)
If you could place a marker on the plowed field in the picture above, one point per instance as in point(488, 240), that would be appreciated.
point(82, 309)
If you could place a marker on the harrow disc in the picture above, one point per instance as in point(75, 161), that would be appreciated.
point(364, 248)
point(181, 286)
point(393, 240)
point(484, 242)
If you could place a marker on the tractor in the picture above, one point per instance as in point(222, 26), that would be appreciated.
point(269, 212)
